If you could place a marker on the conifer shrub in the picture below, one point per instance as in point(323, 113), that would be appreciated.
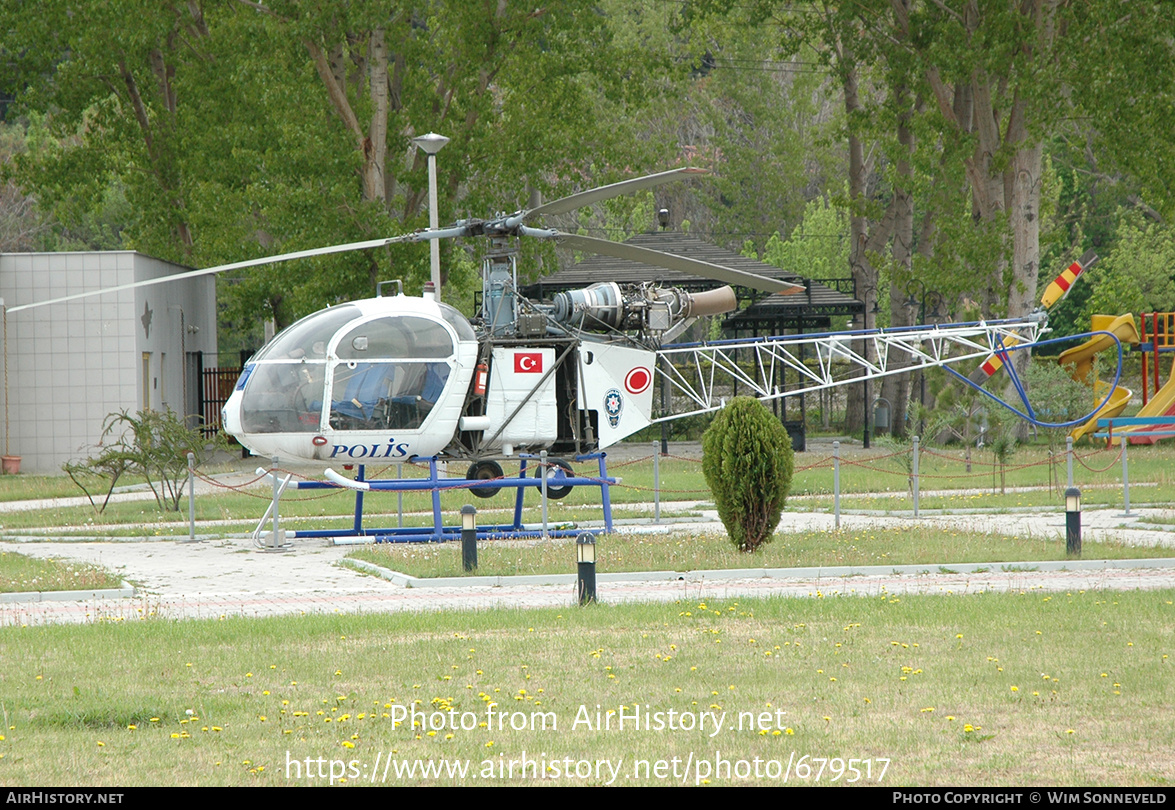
point(748, 461)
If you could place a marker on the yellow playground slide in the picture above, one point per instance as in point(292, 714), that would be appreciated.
point(1161, 404)
point(1080, 358)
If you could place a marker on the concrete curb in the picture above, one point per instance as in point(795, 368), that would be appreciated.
point(836, 572)
point(124, 592)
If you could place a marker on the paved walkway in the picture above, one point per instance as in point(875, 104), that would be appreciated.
point(231, 577)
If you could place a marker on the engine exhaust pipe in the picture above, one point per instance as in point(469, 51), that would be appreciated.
point(711, 302)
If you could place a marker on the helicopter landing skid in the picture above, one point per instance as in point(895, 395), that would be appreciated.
point(439, 533)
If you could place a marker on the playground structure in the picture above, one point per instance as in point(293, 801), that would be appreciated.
point(1109, 331)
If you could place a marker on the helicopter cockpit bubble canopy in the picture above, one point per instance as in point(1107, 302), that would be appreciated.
point(379, 379)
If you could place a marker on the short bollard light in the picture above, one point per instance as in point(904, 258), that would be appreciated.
point(1073, 522)
point(469, 537)
point(585, 554)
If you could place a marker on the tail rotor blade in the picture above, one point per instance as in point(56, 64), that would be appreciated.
point(1060, 286)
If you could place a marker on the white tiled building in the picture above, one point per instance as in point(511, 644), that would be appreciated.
point(71, 364)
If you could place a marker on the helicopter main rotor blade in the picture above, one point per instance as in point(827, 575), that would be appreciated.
point(221, 268)
point(595, 195)
point(670, 261)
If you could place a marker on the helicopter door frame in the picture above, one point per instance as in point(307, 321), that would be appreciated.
point(333, 362)
point(548, 377)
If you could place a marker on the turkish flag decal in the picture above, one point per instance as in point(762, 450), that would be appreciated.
point(528, 362)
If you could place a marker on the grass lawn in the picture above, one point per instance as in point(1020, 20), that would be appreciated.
point(678, 551)
point(865, 477)
point(20, 573)
point(986, 689)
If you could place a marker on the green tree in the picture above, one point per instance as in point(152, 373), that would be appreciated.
point(748, 461)
point(240, 129)
point(1057, 398)
point(818, 247)
point(1138, 275)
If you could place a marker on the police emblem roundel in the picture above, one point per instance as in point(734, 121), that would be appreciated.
point(613, 406)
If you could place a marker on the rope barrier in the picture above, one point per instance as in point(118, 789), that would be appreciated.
point(1113, 461)
point(870, 464)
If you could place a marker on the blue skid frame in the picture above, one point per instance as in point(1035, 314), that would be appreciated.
point(441, 533)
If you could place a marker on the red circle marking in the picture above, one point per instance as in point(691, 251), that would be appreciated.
point(638, 380)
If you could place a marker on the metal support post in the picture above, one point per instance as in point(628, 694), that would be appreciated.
point(1073, 522)
point(277, 537)
point(656, 484)
point(191, 497)
point(1068, 461)
point(1125, 476)
point(836, 483)
point(543, 487)
point(400, 498)
point(914, 470)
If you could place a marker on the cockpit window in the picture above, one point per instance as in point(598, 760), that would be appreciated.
point(385, 396)
point(284, 397)
point(459, 322)
point(396, 337)
point(308, 338)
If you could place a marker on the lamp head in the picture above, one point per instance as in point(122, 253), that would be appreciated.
point(431, 143)
point(585, 548)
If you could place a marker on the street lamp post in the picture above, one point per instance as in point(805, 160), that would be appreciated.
point(936, 299)
point(433, 143)
point(868, 385)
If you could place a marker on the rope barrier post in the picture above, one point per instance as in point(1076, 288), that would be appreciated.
point(914, 471)
point(656, 484)
point(1069, 462)
point(400, 498)
point(836, 483)
point(1125, 476)
point(543, 486)
point(191, 497)
point(276, 495)
point(438, 523)
point(1073, 522)
point(357, 526)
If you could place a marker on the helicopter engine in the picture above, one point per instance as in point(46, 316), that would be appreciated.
point(608, 306)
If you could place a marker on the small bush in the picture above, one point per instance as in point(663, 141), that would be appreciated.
point(150, 444)
point(748, 461)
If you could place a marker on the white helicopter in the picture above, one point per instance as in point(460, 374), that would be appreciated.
point(398, 377)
